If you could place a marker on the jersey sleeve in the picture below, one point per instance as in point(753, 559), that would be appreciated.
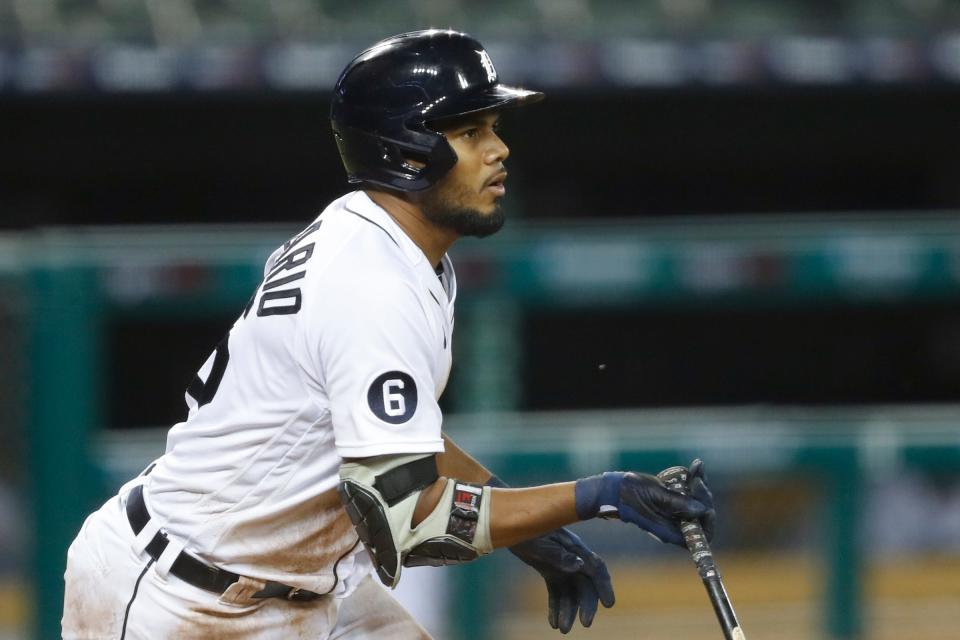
point(375, 356)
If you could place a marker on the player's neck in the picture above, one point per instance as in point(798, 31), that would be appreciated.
point(432, 240)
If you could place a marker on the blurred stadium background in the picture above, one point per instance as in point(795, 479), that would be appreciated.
point(733, 233)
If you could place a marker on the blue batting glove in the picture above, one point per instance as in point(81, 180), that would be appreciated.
point(643, 500)
point(577, 578)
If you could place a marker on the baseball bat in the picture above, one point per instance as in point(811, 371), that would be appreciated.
point(675, 478)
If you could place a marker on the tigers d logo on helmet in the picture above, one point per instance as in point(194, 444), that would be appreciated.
point(488, 65)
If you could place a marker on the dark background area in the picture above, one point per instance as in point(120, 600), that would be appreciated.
point(180, 158)
point(823, 356)
point(834, 355)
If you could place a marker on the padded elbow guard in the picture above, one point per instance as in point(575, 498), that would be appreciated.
point(380, 495)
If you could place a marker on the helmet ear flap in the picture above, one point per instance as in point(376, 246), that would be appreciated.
point(410, 165)
point(389, 153)
point(410, 162)
point(439, 161)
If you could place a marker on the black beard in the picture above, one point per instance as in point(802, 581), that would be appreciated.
point(464, 220)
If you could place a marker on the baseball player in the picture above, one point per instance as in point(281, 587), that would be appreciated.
point(312, 460)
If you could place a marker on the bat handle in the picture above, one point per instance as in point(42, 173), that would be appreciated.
point(702, 556)
point(696, 542)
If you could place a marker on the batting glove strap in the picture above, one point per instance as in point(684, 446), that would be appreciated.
point(599, 496)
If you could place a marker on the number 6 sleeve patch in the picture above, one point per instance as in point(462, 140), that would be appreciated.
point(372, 359)
point(392, 397)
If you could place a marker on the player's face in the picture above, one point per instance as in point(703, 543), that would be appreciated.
point(466, 200)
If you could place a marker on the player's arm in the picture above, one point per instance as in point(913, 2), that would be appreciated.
point(454, 462)
point(517, 515)
point(408, 515)
point(373, 363)
point(577, 579)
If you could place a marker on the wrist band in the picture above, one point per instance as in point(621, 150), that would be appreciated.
point(598, 496)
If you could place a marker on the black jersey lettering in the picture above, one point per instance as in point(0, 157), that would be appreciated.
point(287, 301)
point(280, 303)
point(203, 390)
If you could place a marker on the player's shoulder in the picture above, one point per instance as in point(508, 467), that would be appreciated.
point(378, 281)
point(351, 233)
point(366, 257)
point(359, 211)
point(373, 243)
point(355, 294)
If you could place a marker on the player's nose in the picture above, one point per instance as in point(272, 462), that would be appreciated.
point(498, 151)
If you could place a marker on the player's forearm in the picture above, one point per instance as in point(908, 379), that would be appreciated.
point(516, 515)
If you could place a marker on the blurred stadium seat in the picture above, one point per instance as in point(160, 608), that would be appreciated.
point(49, 44)
point(29, 22)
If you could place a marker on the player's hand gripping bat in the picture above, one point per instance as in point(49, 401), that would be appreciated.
point(676, 478)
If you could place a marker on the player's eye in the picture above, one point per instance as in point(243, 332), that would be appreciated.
point(471, 133)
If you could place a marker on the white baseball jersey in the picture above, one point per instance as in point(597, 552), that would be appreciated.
point(342, 352)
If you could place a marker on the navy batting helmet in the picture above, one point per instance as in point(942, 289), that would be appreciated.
point(385, 97)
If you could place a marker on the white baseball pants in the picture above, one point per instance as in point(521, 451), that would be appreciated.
point(114, 593)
